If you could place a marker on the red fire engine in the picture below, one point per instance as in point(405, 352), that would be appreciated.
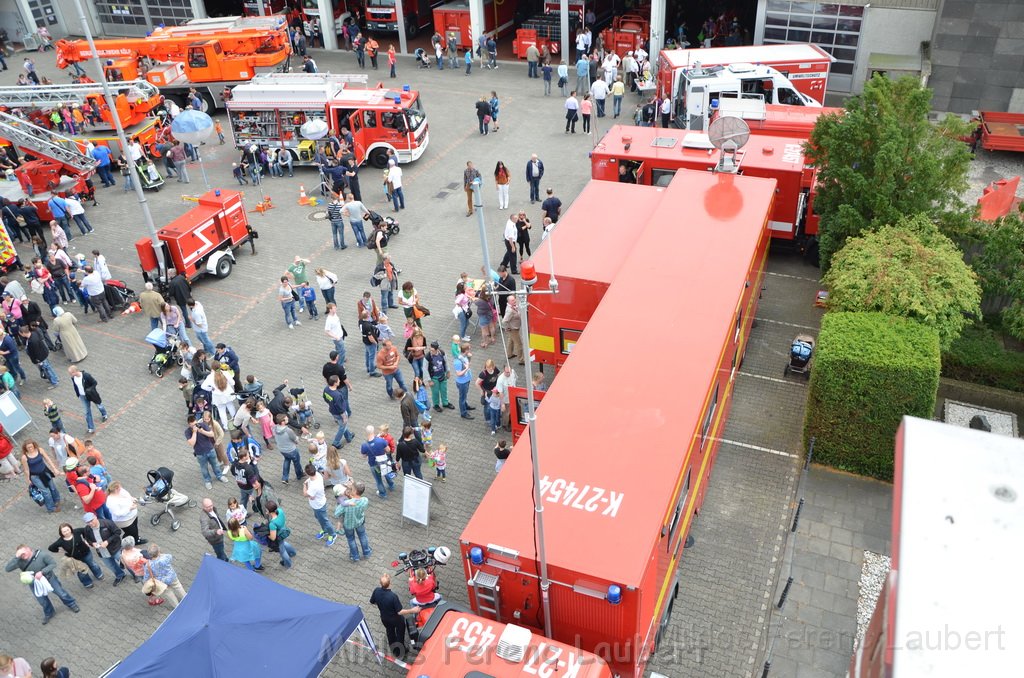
point(203, 240)
point(627, 33)
point(461, 644)
point(616, 601)
point(272, 109)
point(382, 17)
point(452, 18)
point(651, 156)
point(805, 65)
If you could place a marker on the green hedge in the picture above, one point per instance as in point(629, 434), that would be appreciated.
point(869, 370)
point(979, 357)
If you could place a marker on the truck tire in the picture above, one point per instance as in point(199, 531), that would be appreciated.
point(667, 617)
point(224, 267)
point(379, 158)
point(412, 26)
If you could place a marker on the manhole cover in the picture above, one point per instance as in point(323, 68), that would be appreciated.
point(319, 215)
point(452, 186)
point(442, 194)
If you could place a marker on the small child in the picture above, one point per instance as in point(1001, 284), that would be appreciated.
point(187, 388)
point(318, 451)
point(440, 459)
point(236, 511)
point(219, 129)
point(422, 399)
point(53, 414)
point(494, 410)
point(538, 381)
point(265, 422)
point(99, 474)
point(456, 346)
point(426, 434)
point(239, 174)
point(309, 296)
point(384, 329)
point(91, 452)
point(384, 431)
point(8, 381)
point(301, 411)
point(501, 452)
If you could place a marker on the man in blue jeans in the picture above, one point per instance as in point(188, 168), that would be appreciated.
point(370, 335)
point(352, 511)
point(105, 537)
point(463, 375)
point(313, 490)
point(85, 388)
point(375, 449)
point(42, 565)
point(337, 404)
point(288, 445)
point(200, 437)
point(39, 354)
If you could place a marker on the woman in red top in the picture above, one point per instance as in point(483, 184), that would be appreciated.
point(8, 469)
point(502, 177)
point(421, 586)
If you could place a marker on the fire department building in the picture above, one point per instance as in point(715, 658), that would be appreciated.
point(970, 53)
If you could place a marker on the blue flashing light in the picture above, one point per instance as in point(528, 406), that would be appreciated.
point(476, 555)
point(614, 594)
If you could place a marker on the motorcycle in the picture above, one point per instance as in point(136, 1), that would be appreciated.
point(414, 562)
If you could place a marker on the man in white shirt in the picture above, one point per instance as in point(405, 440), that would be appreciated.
point(92, 284)
point(313, 490)
point(202, 326)
point(334, 330)
point(510, 235)
point(599, 91)
point(397, 194)
point(77, 213)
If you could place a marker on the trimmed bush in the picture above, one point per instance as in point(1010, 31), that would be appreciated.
point(979, 357)
point(869, 370)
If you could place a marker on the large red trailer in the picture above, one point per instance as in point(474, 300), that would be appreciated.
point(586, 249)
point(666, 406)
point(452, 18)
point(651, 156)
point(1002, 131)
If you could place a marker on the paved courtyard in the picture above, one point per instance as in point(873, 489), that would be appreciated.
point(719, 623)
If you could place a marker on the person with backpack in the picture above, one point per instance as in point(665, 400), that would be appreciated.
point(370, 335)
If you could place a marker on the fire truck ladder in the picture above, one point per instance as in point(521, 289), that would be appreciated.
point(49, 95)
point(485, 588)
point(309, 78)
point(44, 143)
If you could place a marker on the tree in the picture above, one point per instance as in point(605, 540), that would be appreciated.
point(910, 270)
point(882, 159)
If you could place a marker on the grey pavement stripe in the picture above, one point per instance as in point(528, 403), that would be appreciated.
point(780, 322)
point(775, 379)
point(757, 447)
point(793, 277)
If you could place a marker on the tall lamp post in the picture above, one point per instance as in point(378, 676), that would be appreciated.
point(193, 127)
point(108, 97)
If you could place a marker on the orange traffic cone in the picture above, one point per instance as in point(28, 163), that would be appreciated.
point(303, 198)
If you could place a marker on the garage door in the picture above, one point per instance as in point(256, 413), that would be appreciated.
point(834, 26)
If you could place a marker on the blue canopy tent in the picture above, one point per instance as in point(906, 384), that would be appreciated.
point(238, 623)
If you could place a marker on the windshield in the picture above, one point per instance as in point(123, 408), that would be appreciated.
point(380, 3)
point(416, 115)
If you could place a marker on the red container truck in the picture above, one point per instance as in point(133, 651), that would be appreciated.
point(453, 18)
point(614, 596)
point(382, 17)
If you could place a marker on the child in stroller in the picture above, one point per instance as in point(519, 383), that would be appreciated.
point(166, 351)
point(161, 490)
point(301, 410)
point(421, 58)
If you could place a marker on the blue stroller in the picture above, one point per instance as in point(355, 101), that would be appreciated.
point(166, 351)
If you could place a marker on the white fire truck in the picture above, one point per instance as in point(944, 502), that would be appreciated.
point(272, 108)
point(700, 89)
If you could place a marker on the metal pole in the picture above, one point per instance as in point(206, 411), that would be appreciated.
point(478, 205)
point(137, 183)
point(202, 168)
point(403, 48)
point(563, 15)
point(522, 300)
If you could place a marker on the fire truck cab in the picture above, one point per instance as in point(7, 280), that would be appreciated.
point(651, 156)
point(701, 89)
point(272, 109)
point(458, 643)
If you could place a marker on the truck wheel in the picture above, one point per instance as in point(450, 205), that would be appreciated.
point(223, 267)
point(379, 158)
point(412, 26)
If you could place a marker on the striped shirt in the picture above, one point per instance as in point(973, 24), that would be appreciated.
point(334, 210)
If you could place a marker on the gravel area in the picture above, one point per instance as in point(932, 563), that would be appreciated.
point(872, 577)
point(960, 414)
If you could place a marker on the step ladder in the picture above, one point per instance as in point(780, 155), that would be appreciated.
point(44, 143)
point(485, 588)
point(49, 95)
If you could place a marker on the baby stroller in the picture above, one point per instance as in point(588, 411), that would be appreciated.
point(255, 391)
point(390, 225)
point(161, 490)
point(118, 294)
point(421, 58)
point(301, 410)
point(800, 353)
point(166, 351)
point(149, 176)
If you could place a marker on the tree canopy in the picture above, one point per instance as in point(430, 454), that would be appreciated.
point(907, 269)
point(882, 159)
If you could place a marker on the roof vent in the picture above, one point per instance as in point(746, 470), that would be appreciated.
point(513, 643)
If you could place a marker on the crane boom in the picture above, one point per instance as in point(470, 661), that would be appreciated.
point(45, 143)
point(48, 95)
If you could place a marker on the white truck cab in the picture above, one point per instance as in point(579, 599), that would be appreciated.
point(701, 89)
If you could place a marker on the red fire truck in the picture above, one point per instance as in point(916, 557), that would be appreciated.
point(272, 108)
point(453, 18)
point(382, 17)
point(652, 156)
point(203, 240)
point(459, 643)
point(627, 33)
point(614, 597)
point(805, 65)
